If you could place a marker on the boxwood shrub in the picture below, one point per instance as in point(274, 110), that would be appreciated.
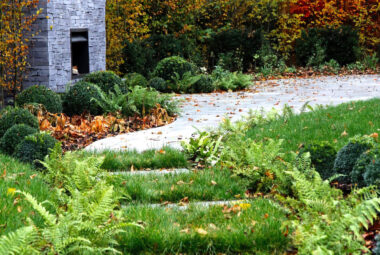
point(40, 95)
point(105, 80)
point(167, 68)
point(78, 99)
point(349, 154)
point(322, 157)
point(12, 116)
point(158, 84)
point(35, 147)
point(205, 84)
point(357, 174)
point(14, 136)
point(372, 173)
point(135, 79)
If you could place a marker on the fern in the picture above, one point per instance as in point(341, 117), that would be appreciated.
point(329, 223)
point(19, 242)
point(111, 102)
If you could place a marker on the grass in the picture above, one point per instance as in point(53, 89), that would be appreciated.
point(256, 229)
point(204, 185)
point(13, 210)
point(150, 159)
point(334, 124)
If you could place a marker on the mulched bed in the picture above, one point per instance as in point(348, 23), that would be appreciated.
point(77, 132)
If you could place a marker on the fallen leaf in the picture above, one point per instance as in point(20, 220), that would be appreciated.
point(201, 231)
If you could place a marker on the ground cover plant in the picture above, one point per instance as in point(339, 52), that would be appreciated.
point(150, 159)
point(253, 227)
point(198, 185)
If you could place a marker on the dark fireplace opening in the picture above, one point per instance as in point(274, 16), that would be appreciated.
point(80, 63)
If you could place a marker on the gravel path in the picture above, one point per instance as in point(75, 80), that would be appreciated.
point(204, 111)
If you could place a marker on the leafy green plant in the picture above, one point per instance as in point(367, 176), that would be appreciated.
point(349, 154)
point(87, 224)
point(40, 95)
point(13, 116)
point(182, 84)
point(318, 57)
point(258, 162)
point(35, 147)
point(329, 223)
point(105, 80)
point(331, 66)
point(204, 148)
point(113, 102)
point(322, 157)
point(19, 242)
point(231, 61)
point(267, 62)
point(14, 136)
point(226, 80)
point(145, 99)
point(370, 61)
point(79, 99)
point(83, 220)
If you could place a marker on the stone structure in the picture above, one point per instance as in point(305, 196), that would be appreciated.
point(71, 39)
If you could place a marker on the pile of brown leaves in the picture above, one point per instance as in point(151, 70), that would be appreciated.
point(77, 132)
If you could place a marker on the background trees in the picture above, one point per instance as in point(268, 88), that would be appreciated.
point(16, 19)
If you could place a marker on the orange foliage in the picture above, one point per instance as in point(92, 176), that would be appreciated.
point(16, 19)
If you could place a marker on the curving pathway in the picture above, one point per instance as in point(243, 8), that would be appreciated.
point(204, 111)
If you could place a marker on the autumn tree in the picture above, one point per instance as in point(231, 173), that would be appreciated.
point(16, 20)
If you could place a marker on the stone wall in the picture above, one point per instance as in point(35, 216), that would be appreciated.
point(51, 54)
point(65, 15)
point(39, 57)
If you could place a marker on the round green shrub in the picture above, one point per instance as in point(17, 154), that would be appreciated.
point(12, 116)
point(322, 157)
point(105, 80)
point(372, 173)
point(359, 169)
point(204, 85)
point(35, 147)
point(78, 99)
point(40, 95)
point(376, 251)
point(168, 67)
point(349, 154)
point(14, 136)
point(135, 79)
point(158, 84)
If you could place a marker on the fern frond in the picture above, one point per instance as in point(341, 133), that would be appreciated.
point(49, 219)
point(18, 242)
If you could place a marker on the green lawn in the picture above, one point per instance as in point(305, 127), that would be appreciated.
point(202, 185)
point(151, 159)
point(256, 229)
point(13, 210)
point(335, 124)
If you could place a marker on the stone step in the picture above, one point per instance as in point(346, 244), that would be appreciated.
point(157, 172)
point(185, 206)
